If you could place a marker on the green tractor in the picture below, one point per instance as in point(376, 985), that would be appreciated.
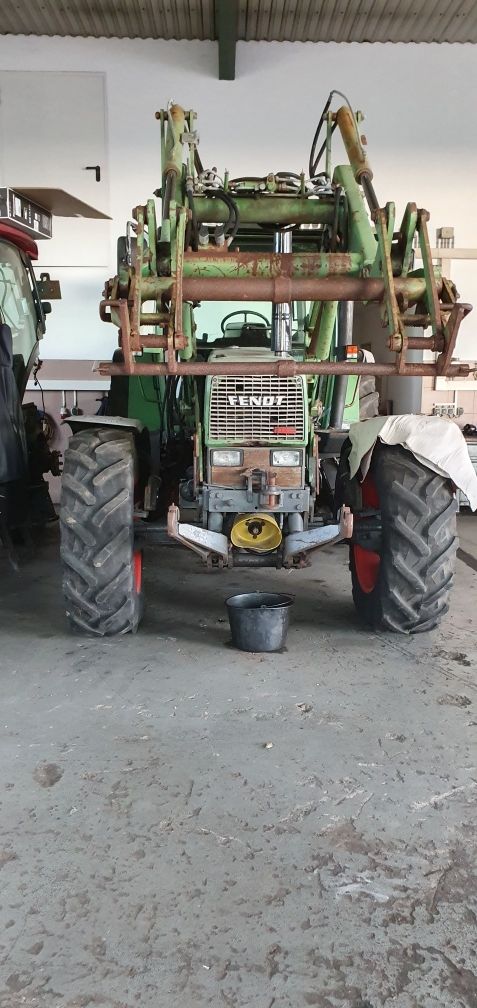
point(245, 441)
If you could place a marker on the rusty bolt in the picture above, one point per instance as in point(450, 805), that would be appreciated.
point(395, 342)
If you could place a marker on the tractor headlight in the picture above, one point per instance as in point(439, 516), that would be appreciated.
point(226, 458)
point(286, 458)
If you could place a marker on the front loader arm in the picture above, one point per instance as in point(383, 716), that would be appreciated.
point(363, 259)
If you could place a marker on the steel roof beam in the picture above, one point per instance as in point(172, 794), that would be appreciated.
point(226, 24)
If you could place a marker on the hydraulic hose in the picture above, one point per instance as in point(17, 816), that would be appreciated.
point(231, 226)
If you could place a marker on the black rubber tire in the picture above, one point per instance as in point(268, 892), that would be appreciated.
point(97, 533)
point(419, 541)
point(368, 397)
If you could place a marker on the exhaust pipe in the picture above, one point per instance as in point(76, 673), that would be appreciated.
point(281, 313)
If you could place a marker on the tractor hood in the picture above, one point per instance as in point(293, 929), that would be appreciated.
point(438, 443)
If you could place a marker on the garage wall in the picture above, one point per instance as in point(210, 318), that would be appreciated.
point(421, 125)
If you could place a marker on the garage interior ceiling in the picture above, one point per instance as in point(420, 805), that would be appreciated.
point(257, 20)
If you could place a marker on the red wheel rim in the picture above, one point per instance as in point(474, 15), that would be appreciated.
point(137, 564)
point(367, 562)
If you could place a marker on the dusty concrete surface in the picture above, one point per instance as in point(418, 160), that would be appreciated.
point(154, 852)
point(468, 538)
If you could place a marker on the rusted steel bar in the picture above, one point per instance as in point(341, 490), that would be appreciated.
point(155, 318)
point(282, 367)
point(432, 292)
point(290, 264)
point(425, 343)
point(421, 321)
point(135, 313)
point(451, 330)
point(121, 307)
point(284, 289)
point(151, 342)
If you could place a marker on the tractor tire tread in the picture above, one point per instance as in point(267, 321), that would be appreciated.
point(418, 515)
point(97, 533)
point(368, 397)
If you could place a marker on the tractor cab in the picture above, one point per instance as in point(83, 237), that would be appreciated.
point(21, 309)
point(24, 451)
point(245, 329)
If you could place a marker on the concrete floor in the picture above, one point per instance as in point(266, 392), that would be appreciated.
point(155, 851)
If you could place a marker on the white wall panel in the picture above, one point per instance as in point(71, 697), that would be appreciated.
point(52, 127)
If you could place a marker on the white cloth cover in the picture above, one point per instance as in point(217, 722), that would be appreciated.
point(435, 441)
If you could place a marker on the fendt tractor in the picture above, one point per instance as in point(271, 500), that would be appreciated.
point(25, 454)
point(246, 436)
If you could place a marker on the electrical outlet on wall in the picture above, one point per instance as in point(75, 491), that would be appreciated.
point(447, 410)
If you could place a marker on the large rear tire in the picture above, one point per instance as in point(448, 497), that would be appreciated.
point(102, 572)
point(405, 587)
point(368, 397)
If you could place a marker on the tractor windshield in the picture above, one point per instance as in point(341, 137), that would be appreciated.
point(17, 307)
point(219, 324)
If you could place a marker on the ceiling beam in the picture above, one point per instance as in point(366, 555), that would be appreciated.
point(226, 24)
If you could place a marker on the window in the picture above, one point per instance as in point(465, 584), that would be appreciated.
point(17, 308)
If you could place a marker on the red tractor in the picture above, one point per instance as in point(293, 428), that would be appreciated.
point(24, 451)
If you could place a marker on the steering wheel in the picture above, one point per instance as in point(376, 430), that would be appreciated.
point(245, 313)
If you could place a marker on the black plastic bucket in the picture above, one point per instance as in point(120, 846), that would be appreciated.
point(259, 620)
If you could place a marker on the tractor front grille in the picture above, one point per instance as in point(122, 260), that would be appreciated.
point(256, 408)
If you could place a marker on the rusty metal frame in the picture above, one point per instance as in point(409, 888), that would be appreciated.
point(397, 337)
point(451, 330)
point(175, 336)
point(279, 288)
point(135, 295)
point(182, 275)
point(283, 368)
